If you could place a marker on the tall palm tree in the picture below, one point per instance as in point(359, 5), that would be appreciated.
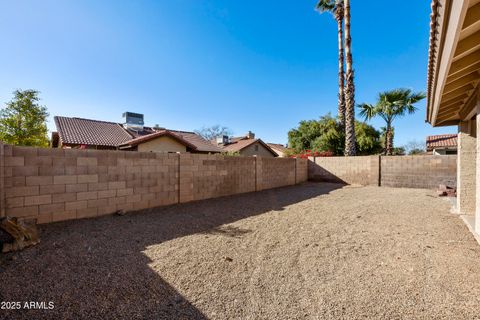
point(350, 139)
point(335, 7)
point(391, 105)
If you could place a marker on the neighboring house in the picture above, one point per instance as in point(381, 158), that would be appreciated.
point(132, 135)
point(453, 92)
point(279, 149)
point(442, 144)
point(246, 146)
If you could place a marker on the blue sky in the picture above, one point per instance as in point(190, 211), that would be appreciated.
point(249, 65)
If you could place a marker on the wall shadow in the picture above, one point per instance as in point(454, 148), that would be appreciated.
point(95, 268)
point(317, 173)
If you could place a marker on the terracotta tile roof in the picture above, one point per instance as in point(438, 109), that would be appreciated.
point(278, 146)
point(197, 140)
point(239, 143)
point(441, 141)
point(157, 134)
point(90, 132)
point(433, 47)
point(103, 133)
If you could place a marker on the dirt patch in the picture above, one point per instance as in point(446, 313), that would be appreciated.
point(316, 251)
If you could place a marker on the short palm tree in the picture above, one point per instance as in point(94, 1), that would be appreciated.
point(391, 105)
point(335, 7)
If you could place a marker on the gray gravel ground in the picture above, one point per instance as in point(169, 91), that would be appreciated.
point(316, 251)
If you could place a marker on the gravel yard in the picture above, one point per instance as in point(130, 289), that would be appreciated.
point(315, 251)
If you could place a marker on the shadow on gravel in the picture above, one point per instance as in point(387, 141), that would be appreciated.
point(95, 268)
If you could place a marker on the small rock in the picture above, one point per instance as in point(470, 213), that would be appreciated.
point(228, 259)
point(120, 212)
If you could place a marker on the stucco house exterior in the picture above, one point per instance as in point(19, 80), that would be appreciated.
point(442, 144)
point(95, 134)
point(246, 145)
point(453, 92)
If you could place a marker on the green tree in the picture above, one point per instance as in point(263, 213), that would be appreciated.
point(367, 139)
point(391, 105)
point(326, 134)
point(335, 7)
point(330, 137)
point(23, 120)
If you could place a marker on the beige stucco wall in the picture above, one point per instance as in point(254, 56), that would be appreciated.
point(162, 144)
point(466, 167)
point(262, 151)
point(477, 174)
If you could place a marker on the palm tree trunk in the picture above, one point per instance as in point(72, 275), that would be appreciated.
point(385, 143)
point(389, 140)
point(350, 139)
point(339, 14)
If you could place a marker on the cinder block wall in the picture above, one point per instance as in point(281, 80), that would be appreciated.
point(419, 171)
point(395, 171)
point(302, 170)
point(210, 176)
point(363, 170)
point(54, 184)
point(275, 172)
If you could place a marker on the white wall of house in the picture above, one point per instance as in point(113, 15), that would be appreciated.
point(444, 151)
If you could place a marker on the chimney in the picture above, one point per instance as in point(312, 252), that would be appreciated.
point(250, 135)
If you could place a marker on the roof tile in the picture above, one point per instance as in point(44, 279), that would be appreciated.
point(90, 132)
point(441, 140)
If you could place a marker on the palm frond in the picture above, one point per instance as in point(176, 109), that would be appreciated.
point(416, 97)
point(326, 6)
point(411, 109)
point(367, 111)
